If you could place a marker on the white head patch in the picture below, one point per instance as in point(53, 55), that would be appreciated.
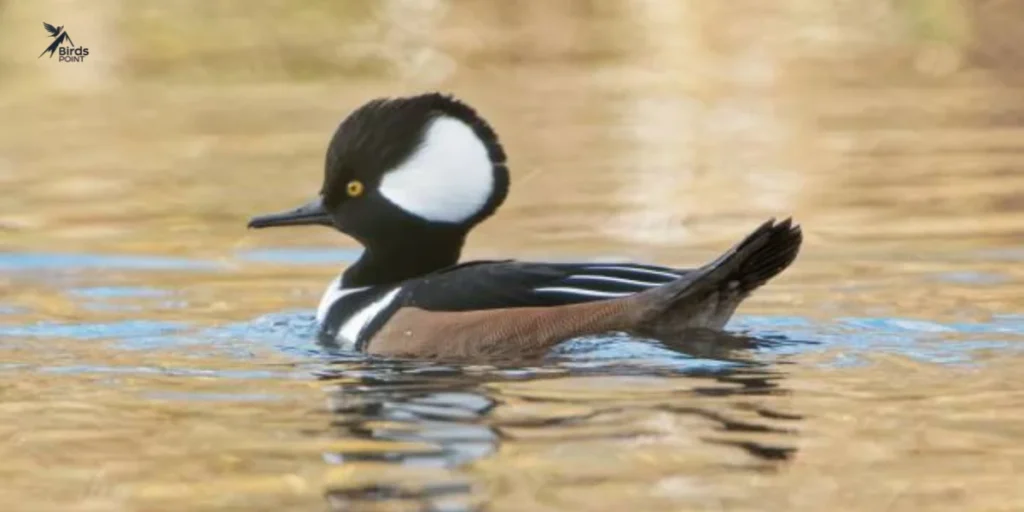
point(448, 179)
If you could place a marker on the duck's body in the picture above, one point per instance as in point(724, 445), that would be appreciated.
point(410, 177)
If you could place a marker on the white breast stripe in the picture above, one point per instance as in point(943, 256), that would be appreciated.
point(332, 294)
point(610, 279)
point(349, 333)
point(634, 269)
point(580, 291)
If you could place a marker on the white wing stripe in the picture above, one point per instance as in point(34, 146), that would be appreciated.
point(610, 279)
point(349, 333)
point(626, 268)
point(581, 291)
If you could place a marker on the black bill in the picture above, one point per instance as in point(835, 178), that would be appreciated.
point(309, 214)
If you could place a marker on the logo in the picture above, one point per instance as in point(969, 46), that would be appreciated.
point(67, 52)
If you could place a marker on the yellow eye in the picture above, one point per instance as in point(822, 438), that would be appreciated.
point(354, 188)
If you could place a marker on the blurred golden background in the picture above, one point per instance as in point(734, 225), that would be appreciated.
point(639, 121)
point(893, 130)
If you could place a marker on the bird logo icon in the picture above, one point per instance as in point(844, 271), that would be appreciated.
point(59, 35)
point(68, 53)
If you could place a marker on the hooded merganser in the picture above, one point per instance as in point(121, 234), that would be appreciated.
point(409, 177)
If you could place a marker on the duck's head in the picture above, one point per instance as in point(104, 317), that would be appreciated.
point(406, 167)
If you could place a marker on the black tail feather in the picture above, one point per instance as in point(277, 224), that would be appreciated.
point(778, 251)
point(708, 296)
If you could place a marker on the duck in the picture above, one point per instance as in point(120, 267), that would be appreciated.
point(409, 177)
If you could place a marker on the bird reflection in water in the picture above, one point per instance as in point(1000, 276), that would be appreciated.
point(429, 416)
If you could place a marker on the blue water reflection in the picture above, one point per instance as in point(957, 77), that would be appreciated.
point(293, 333)
point(29, 261)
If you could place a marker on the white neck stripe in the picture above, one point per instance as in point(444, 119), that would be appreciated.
point(348, 335)
point(332, 294)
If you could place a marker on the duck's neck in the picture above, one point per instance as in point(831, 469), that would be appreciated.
point(394, 260)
